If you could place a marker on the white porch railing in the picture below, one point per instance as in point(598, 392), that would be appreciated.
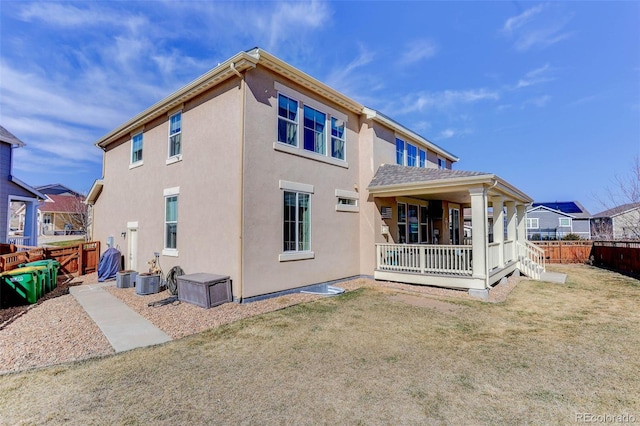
point(18, 240)
point(531, 258)
point(509, 251)
point(424, 259)
point(494, 255)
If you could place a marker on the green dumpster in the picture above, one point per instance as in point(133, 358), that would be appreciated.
point(51, 266)
point(26, 283)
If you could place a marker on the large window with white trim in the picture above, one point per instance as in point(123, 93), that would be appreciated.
point(171, 222)
point(412, 154)
point(287, 120)
point(175, 135)
point(136, 148)
point(297, 222)
point(337, 138)
point(564, 222)
point(532, 223)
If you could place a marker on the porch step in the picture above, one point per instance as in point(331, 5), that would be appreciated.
point(553, 277)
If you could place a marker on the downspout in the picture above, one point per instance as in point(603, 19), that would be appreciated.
point(242, 142)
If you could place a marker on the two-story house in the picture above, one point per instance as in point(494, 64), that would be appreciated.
point(258, 171)
point(555, 220)
point(618, 223)
point(13, 190)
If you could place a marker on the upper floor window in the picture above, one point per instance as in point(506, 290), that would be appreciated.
point(565, 222)
point(532, 223)
point(412, 154)
point(175, 135)
point(287, 120)
point(337, 138)
point(442, 163)
point(399, 152)
point(423, 158)
point(136, 148)
point(314, 130)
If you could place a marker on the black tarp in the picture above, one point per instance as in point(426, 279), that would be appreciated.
point(109, 264)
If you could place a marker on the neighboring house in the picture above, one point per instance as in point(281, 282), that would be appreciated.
point(62, 212)
point(13, 190)
point(258, 171)
point(555, 220)
point(619, 223)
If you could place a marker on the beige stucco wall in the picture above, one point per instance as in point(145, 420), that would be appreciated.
point(335, 238)
point(209, 180)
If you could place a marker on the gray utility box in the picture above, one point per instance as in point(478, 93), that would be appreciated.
point(147, 284)
point(125, 279)
point(204, 290)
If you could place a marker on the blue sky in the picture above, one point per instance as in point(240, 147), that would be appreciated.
point(544, 94)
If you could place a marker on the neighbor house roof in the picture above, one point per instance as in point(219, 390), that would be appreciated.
point(233, 67)
point(56, 189)
point(8, 137)
point(61, 204)
point(618, 210)
point(570, 208)
point(392, 179)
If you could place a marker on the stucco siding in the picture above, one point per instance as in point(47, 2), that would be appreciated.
point(334, 235)
point(208, 178)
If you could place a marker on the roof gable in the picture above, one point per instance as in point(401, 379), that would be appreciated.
point(618, 210)
point(8, 137)
point(573, 208)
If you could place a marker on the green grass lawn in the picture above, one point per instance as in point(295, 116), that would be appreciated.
point(545, 356)
point(66, 243)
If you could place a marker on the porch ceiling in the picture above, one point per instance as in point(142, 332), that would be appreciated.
point(392, 180)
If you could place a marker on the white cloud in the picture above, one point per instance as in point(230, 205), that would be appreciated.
point(536, 76)
point(419, 50)
point(351, 80)
point(446, 99)
point(446, 134)
point(540, 26)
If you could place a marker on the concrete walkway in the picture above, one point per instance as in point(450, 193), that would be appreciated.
point(124, 328)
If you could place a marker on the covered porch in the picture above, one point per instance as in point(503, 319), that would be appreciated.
point(423, 207)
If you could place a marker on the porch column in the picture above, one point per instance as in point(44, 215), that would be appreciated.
point(511, 229)
point(521, 213)
point(479, 233)
point(498, 229)
point(30, 223)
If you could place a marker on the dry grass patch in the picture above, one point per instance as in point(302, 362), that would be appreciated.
point(550, 351)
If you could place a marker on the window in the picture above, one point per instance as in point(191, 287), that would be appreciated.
point(424, 221)
point(423, 158)
point(175, 135)
point(413, 224)
point(136, 148)
point(442, 163)
point(171, 222)
point(347, 201)
point(412, 153)
point(565, 222)
point(287, 120)
point(314, 133)
point(532, 223)
point(337, 138)
point(297, 222)
point(399, 152)
point(402, 223)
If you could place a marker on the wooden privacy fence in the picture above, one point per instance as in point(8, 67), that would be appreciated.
point(565, 251)
point(80, 259)
point(621, 256)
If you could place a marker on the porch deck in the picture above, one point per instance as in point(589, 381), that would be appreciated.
point(451, 265)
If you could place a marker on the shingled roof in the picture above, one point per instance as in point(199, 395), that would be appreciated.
point(8, 137)
point(391, 174)
point(618, 210)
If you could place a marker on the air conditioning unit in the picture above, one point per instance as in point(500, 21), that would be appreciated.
point(147, 283)
point(125, 279)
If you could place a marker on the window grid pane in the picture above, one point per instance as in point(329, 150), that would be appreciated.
point(175, 133)
point(400, 152)
point(337, 138)
point(287, 120)
point(314, 130)
point(423, 159)
point(412, 152)
point(171, 222)
point(297, 222)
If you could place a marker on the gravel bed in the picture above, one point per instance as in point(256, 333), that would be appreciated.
point(58, 330)
point(54, 331)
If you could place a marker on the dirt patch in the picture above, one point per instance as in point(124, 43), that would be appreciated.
point(425, 302)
